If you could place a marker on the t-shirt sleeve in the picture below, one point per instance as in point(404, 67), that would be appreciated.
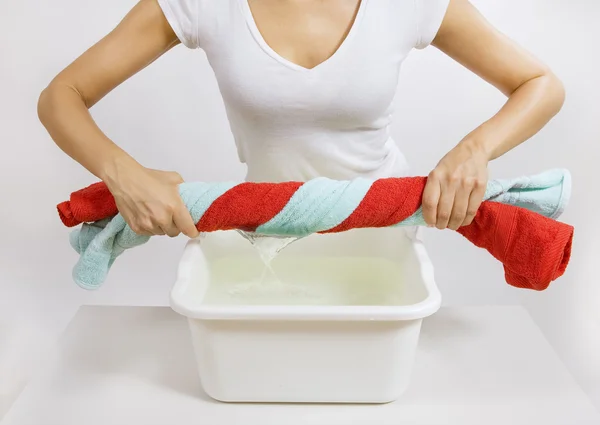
point(182, 15)
point(429, 17)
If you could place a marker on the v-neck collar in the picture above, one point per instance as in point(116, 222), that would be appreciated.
point(247, 12)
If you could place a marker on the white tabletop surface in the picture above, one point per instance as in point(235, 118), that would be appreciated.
point(135, 365)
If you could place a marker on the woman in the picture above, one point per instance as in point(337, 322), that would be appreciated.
point(308, 87)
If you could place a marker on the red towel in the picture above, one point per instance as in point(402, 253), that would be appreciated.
point(535, 250)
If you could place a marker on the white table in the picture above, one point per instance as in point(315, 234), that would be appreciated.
point(135, 365)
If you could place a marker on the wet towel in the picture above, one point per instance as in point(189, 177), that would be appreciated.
point(516, 222)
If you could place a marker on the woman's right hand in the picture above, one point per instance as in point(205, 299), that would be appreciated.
point(150, 203)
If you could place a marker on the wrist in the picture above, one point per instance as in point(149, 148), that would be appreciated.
point(114, 166)
point(477, 147)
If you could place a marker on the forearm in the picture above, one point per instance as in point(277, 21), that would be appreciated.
point(528, 109)
point(138, 40)
point(65, 116)
point(456, 187)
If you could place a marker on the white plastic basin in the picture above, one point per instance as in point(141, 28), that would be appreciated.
point(342, 327)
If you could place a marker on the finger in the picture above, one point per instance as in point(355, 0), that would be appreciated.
point(144, 229)
point(175, 177)
point(151, 227)
point(475, 201)
point(459, 208)
point(445, 205)
point(184, 222)
point(170, 229)
point(138, 231)
point(431, 196)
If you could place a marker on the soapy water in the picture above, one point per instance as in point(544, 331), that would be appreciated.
point(303, 280)
point(308, 280)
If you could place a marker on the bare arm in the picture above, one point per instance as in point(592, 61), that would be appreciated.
point(138, 40)
point(534, 93)
point(457, 185)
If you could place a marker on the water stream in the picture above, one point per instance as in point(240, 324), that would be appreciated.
point(268, 247)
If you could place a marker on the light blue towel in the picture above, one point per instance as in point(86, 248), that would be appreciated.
point(547, 194)
point(318, 205)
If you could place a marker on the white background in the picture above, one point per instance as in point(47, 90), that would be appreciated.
point(170, 116)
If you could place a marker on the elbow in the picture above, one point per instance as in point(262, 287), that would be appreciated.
point(546, 89)
point(561, 92)
point(51, 103)
point(48, 103)
point(53, 98)
point(555, 90)
point(43, 105)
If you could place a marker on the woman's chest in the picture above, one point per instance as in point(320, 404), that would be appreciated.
point(353, 79)
point(304, 32)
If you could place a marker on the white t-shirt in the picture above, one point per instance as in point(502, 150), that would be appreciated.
point(294, 123)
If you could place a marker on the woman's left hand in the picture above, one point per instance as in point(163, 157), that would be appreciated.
point(456, 187)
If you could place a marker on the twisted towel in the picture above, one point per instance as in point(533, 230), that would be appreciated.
point(514, 223)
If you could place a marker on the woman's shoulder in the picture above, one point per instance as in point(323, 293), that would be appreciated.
point(198, 22)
